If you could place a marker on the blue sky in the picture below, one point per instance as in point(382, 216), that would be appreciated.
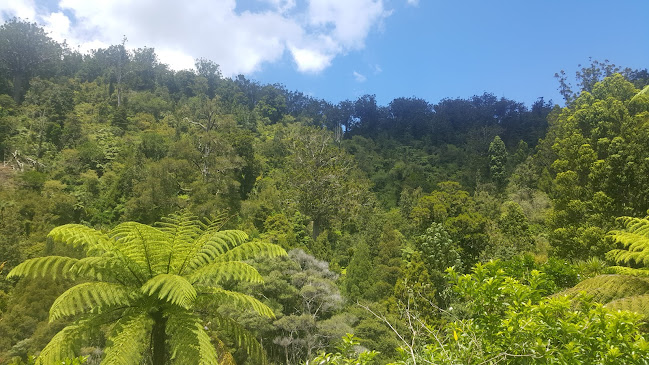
point(463, 48)
point(342, 49)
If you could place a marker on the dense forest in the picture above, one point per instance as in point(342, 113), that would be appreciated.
point(153, 216)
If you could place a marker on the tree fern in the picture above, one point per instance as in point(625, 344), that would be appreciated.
point(220, 272)
point(129, 340)
point(623, 287)
point(172, 289)
point(243, 300)
point(242, 338)
point(606, 288)
point(139, 278)
point(88, 296)
point(188, 340)
point(52, 266)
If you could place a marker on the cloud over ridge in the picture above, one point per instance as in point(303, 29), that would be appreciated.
point(240, 40)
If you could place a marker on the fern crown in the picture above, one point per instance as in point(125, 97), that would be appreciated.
point(135, 275)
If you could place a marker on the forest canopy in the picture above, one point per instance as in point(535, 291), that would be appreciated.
point(470, 230)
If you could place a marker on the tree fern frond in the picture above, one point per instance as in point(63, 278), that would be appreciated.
point(634, 303)
point(623, 270)
point(183, 229)
point(242, 337)
point(145, 245)
point(63, 345)
point(222, 296)
point(251, 250)
point(88, 296)
point(188, 340)
point(102, 268)
point(207, 353)
point(606, 288)
point(171, 288)
point(53, 266)
point(213, 244)
point(216, 222)
point(129, 341)
point(634, 239)
point(220, 272)
point(93, 241)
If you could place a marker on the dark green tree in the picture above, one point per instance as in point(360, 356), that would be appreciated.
point(498, 162)
point(26, 51)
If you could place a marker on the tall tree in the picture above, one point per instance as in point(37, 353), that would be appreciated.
point(25, 50)
point(497, 162)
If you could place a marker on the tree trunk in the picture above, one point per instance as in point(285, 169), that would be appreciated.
point(317, 228)
point(18, 86)
point(159, 337)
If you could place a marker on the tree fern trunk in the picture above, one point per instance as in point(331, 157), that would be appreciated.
point(159, 337)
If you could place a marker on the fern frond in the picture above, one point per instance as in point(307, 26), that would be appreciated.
point(623, 270)
point(634, 239)
point(53, 266)
point(213, 244)
point(606, 288)
point(88, 296)
point(220, 272)
point(634, 303)
point(242, 338)
point(144, 245)
point(206, 351)
point(130, 340)
point(102, 268)
point(65, 344)
point(224, 296)
point(188, 340)
point(172, 289)
point(251, 250)
point(93, 241)
point(183, 229)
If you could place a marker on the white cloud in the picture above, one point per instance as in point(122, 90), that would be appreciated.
point(413, 2)
point(359, 77)
point(310, 60)
point(377, 69)
point(25, 9)
point(313, 32)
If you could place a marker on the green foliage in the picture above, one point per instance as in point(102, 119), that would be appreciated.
point(504, 320)
point(596, 144)
point(146, 276)
point(634, 239)
point(624, 288)
point(347, 354)
point(357, 278)
point(497, 162)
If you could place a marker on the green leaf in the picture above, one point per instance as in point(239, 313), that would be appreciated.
point(93, 241)
point(88, 296)
point(219, 272)
point(171, 288)
point(129, 341)
point(241, 299)
point(53, 266)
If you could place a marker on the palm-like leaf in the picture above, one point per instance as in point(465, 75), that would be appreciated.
point(88, 296)
point(219, 272)
point(188, 340)
point(149, 277)
point(53, 266)
point(172, 289)
point(623, 287)
point(129, 341)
